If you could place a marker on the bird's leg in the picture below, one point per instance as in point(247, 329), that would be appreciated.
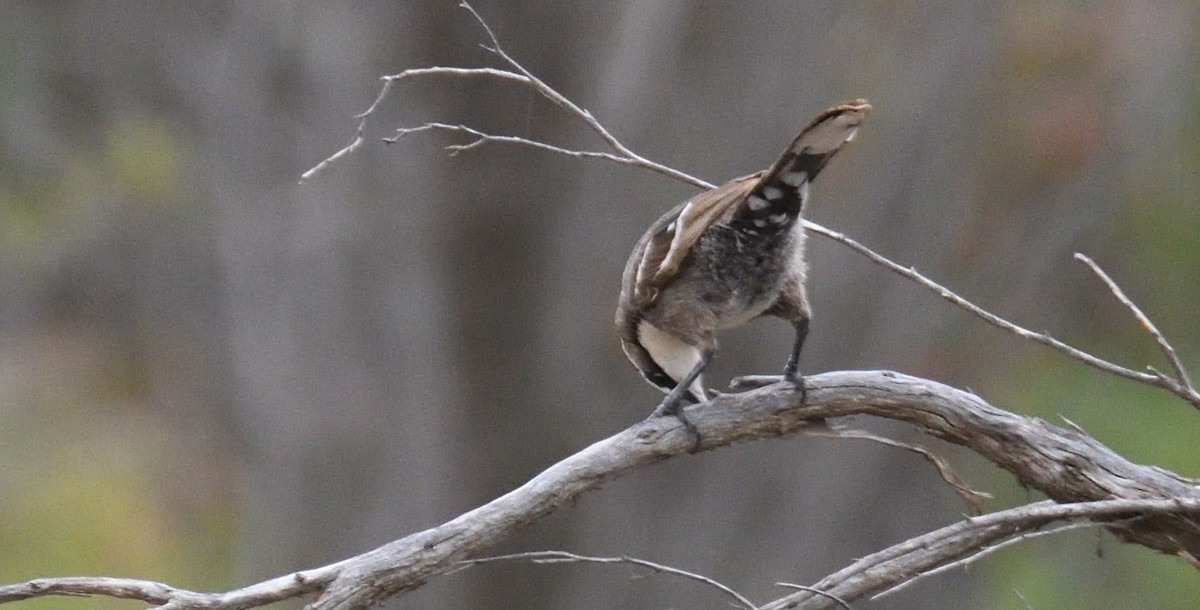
point(672, 404)
point(791, 369)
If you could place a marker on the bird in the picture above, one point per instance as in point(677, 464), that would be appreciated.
point(722, 258)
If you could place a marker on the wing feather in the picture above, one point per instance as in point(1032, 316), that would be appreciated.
point(664, 248)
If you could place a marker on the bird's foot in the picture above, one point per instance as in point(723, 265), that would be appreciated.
point(670, 408)
point(753, 382)
point(797, 381)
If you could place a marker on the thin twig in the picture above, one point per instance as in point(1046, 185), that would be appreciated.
point(976, 500)
point(841, 602)
point(562, 101)
point(1185, 388)
point(912, 274)
point(884, 570)
point(624, 155)
point(166, 597)
point(482, 138)
point(388, 81)
point(1024, 602)
point(565, 557)
point(985, 551)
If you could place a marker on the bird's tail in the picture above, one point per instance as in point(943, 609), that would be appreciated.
point(780, 193)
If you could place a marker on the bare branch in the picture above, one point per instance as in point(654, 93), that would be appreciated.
point(949, 295)
point(388, 81)
point(1064, 464)
point(841, 602)
point(985, 551)
point(885, 569)
point(624, 154)
point(482, 138)
point(564, 557)
point(563, 102)
point(1182, 385)
point(166, 597)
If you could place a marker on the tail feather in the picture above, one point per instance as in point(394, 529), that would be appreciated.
point(781, 192)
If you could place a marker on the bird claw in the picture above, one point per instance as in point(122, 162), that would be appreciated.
point(676, 409)
point(753, 382)
point(797, 381)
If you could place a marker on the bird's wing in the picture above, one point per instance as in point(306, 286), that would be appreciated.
point(668, 242)
point(672, 237)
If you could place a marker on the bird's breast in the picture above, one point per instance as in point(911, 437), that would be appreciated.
point(740, 275)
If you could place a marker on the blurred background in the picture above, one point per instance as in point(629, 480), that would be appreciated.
point(211, 375)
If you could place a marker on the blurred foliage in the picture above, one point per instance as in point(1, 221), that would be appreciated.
point(90, 471)
point(44, 215)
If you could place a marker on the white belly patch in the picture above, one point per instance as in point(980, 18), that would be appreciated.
point(675, 357)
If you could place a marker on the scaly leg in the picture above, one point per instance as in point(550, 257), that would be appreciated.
point(791, 369)
point(672, 404)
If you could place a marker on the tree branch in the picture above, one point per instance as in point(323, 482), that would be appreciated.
point(482, 138)
point(928, 554)
point(564, 557)
point(1181, 385)
point(1155, 380)
point(1064, 464)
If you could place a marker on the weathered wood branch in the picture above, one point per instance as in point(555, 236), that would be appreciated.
point(1066, 465)
point(916, 558)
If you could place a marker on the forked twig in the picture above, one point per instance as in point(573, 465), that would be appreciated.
point(388, 81)
point(981, 313)
point(566, 104)
point(482, 138)
point(543, 557)
point(522, 76)
point(988, 550)
point(1182, 383)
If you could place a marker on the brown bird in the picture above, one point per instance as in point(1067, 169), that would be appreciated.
point(723, 258)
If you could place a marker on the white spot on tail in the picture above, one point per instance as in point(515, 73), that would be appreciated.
point(760, 223)
point(794, 179)
point(777, 218)
point(757, 203)
point(772, 192)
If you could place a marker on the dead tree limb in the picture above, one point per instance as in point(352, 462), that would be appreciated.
point(1066, 465)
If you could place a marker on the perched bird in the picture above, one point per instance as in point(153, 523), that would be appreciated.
point(723, 258)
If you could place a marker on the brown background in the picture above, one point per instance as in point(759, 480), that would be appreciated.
point(211, 375)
